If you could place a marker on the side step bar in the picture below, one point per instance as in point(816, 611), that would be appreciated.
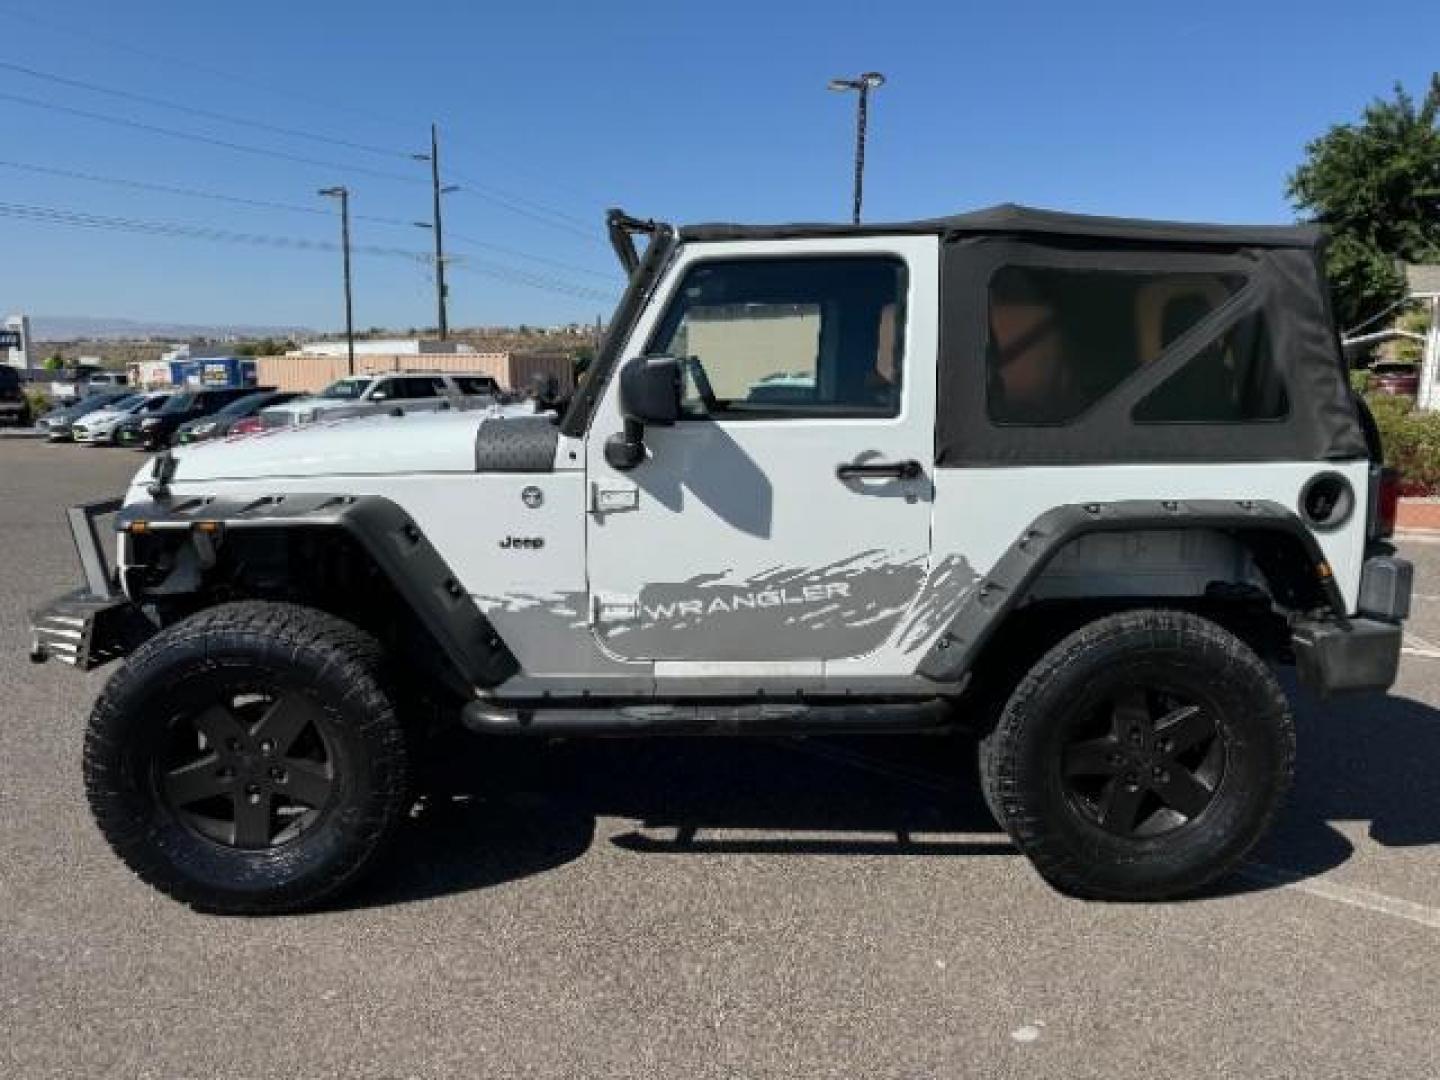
point(709, 718)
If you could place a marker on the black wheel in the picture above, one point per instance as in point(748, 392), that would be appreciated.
point(248, 760)
point(1141, 758)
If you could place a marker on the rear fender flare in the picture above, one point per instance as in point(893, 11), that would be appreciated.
point(997, 593)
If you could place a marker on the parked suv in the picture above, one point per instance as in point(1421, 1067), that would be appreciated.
point(14, 406)
point(155, 431)
point(1081, 484)
point(360, 395)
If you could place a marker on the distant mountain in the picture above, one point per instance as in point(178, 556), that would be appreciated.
point(73, 327)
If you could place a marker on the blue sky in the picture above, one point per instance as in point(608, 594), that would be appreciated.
point(683, 111)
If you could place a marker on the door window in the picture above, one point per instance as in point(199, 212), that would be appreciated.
point(418, 386)
point(777, 338)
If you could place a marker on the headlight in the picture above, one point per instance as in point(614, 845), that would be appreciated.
point(151, 422)
point(202, 429)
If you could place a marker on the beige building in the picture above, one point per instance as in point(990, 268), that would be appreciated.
point(312, 371)
point(742, 347)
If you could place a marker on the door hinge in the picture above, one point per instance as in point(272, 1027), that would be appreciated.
point(613, 500)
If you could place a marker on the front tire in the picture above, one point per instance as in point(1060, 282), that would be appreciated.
point(248, 759)
point(1141, 758)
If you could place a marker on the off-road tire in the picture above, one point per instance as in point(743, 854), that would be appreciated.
point(1024, 761)
point(336, 673)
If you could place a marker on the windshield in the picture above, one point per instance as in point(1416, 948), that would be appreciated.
point(345, 389)
point(179, 403)
point(242, 406)
point(127, 402)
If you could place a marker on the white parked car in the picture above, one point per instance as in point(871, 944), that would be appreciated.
point(360, 395)
point(99, 428)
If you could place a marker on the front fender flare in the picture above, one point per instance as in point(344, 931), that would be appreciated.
point(399, 548)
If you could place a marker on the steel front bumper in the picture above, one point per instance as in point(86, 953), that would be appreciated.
point(95, 623)
point(1360, 653)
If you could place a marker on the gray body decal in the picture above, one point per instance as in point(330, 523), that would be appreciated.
point(847, 608)
point(844, 609)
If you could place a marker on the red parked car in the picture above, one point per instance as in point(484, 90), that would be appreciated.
point(1395, 377)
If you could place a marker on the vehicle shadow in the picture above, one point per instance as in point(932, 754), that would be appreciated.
point(1363, 759)
point(494, 810)
point(498, 810)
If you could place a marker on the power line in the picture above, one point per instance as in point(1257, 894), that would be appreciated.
point(224, 73)
point(293, 208)
point(282, 155)
point(244, 148)
point(226, 118)
point(470, 188)
point(269, 88)
point(534, 281)
point(559, 215)
point(229, 118)
point(52, 215)
point(558, 264)
point(191, 193)
point(62, 216)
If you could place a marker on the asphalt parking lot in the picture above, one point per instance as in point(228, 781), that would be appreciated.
point(698, 908)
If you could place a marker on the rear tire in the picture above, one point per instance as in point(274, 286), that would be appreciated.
point(248, 760)
point(1141, 758)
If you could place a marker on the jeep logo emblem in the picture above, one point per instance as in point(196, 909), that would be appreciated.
point(513, 542)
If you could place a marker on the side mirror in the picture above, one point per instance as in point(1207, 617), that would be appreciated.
point(379, 395)
point(650, 390)
point(649, 394)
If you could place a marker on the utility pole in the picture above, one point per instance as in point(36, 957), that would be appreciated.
point(871, 80)
point(436, 189)
point(343, 194)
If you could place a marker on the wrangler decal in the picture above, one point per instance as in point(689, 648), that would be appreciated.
point(847, 608)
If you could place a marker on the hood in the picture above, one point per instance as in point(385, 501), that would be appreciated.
point(420, 442)
point(303, 405)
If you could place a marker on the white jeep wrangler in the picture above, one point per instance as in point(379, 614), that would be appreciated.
point(1077, 482)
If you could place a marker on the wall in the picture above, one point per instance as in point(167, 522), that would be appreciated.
point(513, 371)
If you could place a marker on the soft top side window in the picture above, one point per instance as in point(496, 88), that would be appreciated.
point(775, 338)
point(1061, 339)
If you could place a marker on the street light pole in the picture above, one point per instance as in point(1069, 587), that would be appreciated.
point(871, 80)
point(436, 190)
point(343, 194)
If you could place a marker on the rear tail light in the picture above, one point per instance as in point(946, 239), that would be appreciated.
point(248, 426)
point(1386, 483)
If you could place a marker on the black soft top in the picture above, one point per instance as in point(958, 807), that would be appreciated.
point(1009, 218)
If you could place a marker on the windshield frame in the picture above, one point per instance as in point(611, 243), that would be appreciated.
point(364, 382)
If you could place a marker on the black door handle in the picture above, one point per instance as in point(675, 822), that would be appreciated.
point(889, 470)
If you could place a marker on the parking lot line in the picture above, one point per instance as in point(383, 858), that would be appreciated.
point(1379, 903)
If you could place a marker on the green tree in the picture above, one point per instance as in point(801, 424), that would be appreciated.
point(581, 359)
point(1375, 185)
point(55, 363)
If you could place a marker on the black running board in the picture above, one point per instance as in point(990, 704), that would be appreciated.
point(710, 718)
